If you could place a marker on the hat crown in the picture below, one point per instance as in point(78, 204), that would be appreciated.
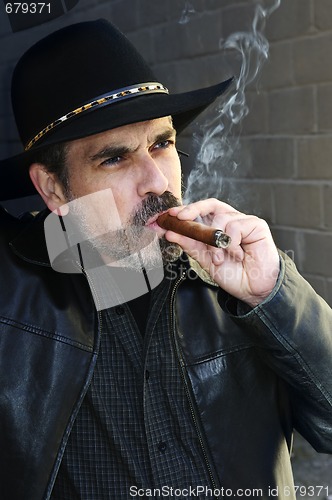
point(83, 80)
point(69, 68)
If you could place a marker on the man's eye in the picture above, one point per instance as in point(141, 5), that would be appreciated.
point(111, 161)
point(163, 144)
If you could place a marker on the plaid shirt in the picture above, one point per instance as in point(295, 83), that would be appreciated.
point(134, 427)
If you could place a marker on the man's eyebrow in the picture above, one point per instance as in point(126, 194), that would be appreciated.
point(112, 151)
point(165, 135)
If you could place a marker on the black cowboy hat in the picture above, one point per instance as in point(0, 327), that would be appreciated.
point(84, 79)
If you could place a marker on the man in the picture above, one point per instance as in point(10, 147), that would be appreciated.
point(192, 389)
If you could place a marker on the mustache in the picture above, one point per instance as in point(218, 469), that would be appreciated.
point(153, 205)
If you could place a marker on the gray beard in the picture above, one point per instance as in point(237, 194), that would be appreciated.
point(134, 246)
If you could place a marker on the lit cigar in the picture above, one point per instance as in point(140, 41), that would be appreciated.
point(195, 230)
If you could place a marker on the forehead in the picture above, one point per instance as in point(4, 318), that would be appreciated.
point(132, 134)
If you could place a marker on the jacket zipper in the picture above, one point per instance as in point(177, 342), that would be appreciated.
point(185, 382)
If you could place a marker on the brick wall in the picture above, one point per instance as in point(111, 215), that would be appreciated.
point(283, 171)
point(291, 153)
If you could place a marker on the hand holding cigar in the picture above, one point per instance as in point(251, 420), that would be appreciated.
point(199, 232)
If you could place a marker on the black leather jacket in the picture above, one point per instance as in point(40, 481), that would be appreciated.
point(250, 379)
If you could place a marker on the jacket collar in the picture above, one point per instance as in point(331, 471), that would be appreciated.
point(201, 273)
point(29, 243)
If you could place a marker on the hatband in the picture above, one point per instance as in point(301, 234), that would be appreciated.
point(120, 94)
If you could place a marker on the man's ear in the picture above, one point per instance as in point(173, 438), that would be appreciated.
point(47, 186)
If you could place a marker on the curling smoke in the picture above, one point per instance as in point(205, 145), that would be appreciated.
point(186, 13)
point(218, 148)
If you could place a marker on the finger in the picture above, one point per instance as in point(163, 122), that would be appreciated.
point(205, 208)
point(175, 210)
point(203, 253)
point(196, 249)
point(247, 230)
point(184, 241)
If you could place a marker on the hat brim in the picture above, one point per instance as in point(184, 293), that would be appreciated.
point(184, 108)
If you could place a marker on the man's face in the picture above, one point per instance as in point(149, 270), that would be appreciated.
point(120, 180)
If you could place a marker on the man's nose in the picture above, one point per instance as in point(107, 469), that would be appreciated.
point(151, 177)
